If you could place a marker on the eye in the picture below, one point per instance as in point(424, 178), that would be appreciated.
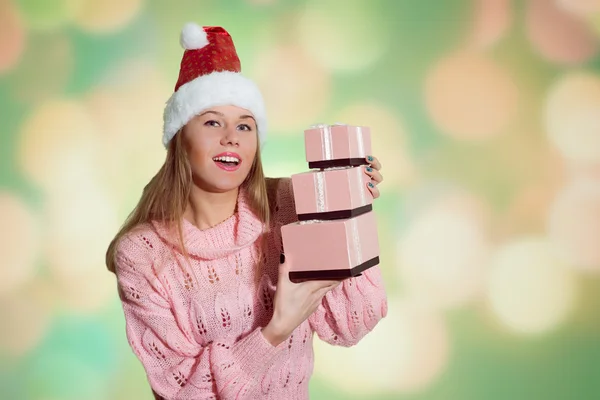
point(211, 122)
point(244, 127)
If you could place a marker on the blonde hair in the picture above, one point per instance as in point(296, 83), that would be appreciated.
point(166, 196)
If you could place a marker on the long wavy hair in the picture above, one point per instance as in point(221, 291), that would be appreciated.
point(165, 197)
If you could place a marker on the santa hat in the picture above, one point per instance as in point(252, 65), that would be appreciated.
point(210, 76)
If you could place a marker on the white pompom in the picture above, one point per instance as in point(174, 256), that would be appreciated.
point(193, 37)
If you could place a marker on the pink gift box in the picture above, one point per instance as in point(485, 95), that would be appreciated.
point(332, 194)
point(338, 249)
point(337, 145)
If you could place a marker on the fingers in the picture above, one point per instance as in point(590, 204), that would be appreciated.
point(372, 170)
point(374, 174)
point(317, 286)
point(374, 162)
point(374, 190)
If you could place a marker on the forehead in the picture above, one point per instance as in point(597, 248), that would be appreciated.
point(229, 111)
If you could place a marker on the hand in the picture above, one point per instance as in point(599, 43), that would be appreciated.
point(372, 170)
point(293, 303)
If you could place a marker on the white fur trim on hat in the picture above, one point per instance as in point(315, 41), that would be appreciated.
point(215, 89)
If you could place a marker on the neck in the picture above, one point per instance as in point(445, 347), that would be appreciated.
point(206, 209)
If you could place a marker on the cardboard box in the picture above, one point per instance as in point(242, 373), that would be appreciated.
point(337, 145)
point(338, 249)
point(332, 194)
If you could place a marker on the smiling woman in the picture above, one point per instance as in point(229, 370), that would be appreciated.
point(208, 303)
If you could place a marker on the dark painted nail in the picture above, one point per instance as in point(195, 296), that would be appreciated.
point(370, 158)
point(282, 258)
point(369, 169)
point(371, 184)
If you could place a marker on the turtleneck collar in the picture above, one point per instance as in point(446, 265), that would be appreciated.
point(228, 237)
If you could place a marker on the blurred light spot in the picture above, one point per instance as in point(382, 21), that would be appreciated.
point(47, 14)
point(25, 321)
point(442, 254)
point(470, 97)
point(12, 36)
point(574, 224)
point(57, 139)
point(341, 37)
point(107, 15)
point(572, 44)
point(492, 21)
point(594, 23)
point(295, 89)
point(53, 51)
point(389, 141)
point(527, 210)
point(127, 109)
point(19, 242)
point(572, 116)
point(405, 352)
point(530, 291)
point(579, 170)
point(580, 7)
point(81, 223)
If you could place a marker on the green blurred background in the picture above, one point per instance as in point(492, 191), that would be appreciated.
point(485, 115)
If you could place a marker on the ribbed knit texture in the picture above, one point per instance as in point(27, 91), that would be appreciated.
point(196, 327)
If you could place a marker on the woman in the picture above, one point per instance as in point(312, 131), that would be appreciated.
point(209, 307)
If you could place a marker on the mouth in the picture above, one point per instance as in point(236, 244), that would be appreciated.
point(228, 162)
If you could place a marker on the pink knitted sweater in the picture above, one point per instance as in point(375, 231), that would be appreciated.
point(196, 327)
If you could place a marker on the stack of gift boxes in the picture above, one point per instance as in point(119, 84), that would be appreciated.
point(336, 235)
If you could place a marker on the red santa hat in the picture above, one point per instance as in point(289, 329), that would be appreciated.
point(210, 76)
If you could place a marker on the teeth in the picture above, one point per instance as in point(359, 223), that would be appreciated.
point(227, 159)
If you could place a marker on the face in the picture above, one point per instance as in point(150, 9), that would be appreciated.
point(221, 144)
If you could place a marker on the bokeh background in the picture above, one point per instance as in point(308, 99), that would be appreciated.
point(485, 114)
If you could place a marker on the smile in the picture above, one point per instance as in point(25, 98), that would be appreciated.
point(228, 161)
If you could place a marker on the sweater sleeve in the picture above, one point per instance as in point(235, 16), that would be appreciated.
point(351, 310)
point(176, 365)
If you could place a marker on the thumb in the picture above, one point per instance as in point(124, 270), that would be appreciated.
point(284, 267)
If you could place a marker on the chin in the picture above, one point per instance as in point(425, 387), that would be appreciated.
point(225, 185)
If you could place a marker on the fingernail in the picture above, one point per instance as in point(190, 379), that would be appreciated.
point(369, 169)
point(282, 258)
point(371, 184)
point(369, 158)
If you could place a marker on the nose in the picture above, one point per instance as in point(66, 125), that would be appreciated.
point(231, 137)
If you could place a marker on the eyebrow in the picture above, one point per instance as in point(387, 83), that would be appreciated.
point(223, 115)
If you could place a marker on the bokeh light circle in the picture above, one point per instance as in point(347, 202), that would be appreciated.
point(295, 88)
point(470, 97)
point(56, 140)
point(493, 19)
point(127, 110)
point(19, 242)
point(574, 224)
point(580, 7)
point(405, 352)
point(389, 140)
point(572, 116)
point(340, 37)
point(25, 321)
point(12, 36)
point(443, 252)
point(107, 15)
point(530, 291)
point(76, 242)
point(558, 35)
